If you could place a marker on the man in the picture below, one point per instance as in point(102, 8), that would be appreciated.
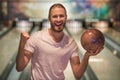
point(51, 49)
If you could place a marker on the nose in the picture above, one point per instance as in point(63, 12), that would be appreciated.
point(58, 18)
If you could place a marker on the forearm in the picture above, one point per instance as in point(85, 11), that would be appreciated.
point(20, 59)
point(82, 66)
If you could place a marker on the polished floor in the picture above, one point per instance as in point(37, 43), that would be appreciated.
point(105, 65)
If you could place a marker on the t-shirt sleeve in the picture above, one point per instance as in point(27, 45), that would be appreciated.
point(30, 44)
point(74, 50)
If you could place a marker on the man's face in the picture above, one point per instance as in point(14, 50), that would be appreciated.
point(57, 19)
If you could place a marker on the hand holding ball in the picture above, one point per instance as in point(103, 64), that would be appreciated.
point(92, 41)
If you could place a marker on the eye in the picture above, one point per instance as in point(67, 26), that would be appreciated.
point(55, 16)
point(61, 15)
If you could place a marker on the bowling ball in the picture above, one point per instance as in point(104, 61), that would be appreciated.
point(91, 39)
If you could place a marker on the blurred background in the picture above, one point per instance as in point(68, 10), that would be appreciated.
point(17, 16)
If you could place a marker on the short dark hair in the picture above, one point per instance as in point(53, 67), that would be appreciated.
point(56, 5)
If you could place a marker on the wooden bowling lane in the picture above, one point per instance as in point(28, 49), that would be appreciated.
point(105, 65)
point(112, 33)
point(8, 47)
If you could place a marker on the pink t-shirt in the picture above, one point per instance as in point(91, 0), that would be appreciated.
point(50, 58)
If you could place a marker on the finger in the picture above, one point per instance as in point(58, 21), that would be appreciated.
point(90, 52)
point(99, 50)
point(93, 53)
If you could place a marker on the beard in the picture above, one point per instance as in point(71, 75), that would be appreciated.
point(60, 29)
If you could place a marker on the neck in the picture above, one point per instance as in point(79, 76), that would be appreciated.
point(57, 36)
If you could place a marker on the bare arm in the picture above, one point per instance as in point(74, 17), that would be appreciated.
point(79, 68)
point(23, 55)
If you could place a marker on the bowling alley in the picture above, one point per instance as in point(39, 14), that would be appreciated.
point(92, 24)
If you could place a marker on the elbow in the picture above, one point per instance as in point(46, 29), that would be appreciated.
point(19, 69)
point(19, 66)
point(78, 77)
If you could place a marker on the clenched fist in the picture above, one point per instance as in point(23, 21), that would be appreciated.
point(24, 37)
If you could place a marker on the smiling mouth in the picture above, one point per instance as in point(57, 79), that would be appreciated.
point(58, 24)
